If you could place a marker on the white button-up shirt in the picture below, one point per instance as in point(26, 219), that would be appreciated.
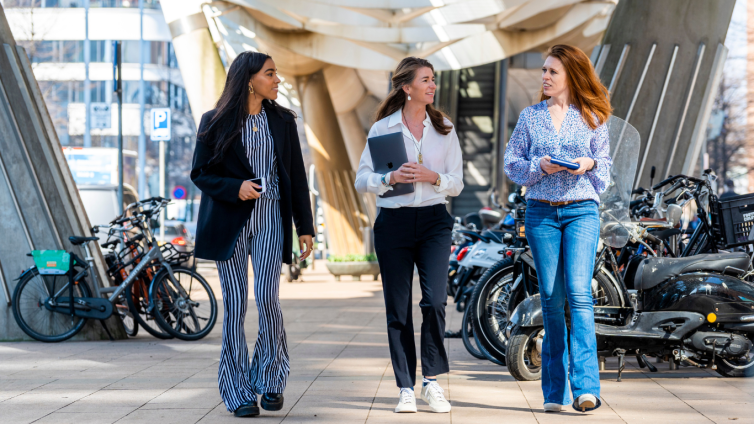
point(440, 153)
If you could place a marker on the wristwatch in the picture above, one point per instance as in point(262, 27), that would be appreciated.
point(384, 180)
point(439, 180)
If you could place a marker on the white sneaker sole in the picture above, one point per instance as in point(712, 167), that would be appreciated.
point(553, 407)
point(441, 409)
point(405, 409)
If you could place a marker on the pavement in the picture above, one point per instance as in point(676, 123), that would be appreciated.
point(340, 373)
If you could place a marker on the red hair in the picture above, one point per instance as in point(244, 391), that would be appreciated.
point(587, 91)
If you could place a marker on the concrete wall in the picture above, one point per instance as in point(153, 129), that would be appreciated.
point(685, 62)
point(39, 203)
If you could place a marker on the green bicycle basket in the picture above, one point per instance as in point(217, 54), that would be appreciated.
point(52, 262)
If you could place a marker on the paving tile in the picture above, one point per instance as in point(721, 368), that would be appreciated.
point(101, 417)
point(340, 373)
point(164, 416)
point(181, 398)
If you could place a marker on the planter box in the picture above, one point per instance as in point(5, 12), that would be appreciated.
point(356, 269)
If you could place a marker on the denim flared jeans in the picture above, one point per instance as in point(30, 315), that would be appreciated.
point(563, 241)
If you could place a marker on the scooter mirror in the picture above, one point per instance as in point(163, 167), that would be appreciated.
point(512, 198)
point(674, 214)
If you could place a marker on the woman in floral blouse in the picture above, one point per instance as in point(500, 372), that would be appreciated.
point(562, 218)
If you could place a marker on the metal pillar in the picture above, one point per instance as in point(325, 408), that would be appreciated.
point(87, 82)
point(142, 148)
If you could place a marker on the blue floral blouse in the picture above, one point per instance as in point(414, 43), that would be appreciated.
point(535, 137)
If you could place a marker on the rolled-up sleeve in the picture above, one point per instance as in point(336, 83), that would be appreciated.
point(520, 167)
point(368, 181)
point(599, 176)
point(451, 182)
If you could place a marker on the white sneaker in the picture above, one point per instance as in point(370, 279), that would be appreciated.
point(585, 402)
point(553, 407)
point(432, 393)
point(407, 401)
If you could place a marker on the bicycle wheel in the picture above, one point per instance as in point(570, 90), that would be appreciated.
point(188, 309)
point(489, 303)
point(29, 298)
point(125, 314)
point(467, 334)
point(137, 297)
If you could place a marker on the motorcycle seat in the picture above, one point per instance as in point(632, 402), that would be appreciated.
point(653, 271)
point(495, 235)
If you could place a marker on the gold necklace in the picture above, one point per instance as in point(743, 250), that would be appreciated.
point(419, 157)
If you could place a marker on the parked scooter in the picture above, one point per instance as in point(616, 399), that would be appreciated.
point(697, 310)
point(474, 251)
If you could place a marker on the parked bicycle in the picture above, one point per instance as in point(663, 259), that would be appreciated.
point(52, 300)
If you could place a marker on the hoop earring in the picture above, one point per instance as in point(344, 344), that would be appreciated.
point(251, 90)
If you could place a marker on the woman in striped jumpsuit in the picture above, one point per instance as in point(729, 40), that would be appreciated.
point(255, 223)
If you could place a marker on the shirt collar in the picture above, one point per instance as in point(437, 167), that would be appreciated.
point(397, 118)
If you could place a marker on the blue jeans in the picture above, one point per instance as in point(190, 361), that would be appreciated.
point(563, 241)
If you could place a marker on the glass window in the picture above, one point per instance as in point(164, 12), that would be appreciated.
point(155, 52)
point(148, 4)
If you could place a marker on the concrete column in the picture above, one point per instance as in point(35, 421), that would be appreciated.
point(39, 204)
point(202, 70)
point(347, 93)
point(344, 211)
point(663, 64)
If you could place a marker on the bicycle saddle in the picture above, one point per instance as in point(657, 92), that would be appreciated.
point(76, 240)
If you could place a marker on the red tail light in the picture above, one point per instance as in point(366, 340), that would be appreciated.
point(179, 241)
point(453, 248)
point(462, 253)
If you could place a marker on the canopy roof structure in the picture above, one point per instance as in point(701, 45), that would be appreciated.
point(377, 34)
point(336, 57)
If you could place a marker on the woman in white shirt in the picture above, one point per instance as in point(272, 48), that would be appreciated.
point(414, 228)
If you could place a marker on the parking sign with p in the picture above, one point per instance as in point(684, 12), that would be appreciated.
point(160, 124)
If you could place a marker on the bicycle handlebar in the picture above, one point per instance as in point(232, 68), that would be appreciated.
point(668, 180)
point(652, 238)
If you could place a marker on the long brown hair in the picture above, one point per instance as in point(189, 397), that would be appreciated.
point(586, 90)
point(405, 74)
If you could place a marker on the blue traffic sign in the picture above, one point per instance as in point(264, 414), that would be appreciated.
point(179, 192)
point(160, 124)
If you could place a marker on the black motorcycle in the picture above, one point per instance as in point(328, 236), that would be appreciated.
point(697, 310)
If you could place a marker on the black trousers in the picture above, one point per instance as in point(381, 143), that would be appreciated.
point(404, 237)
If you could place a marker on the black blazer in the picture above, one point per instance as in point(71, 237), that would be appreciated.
point(222, 214)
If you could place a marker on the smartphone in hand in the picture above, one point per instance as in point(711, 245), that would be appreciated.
point(262, 182)
point(565, 163)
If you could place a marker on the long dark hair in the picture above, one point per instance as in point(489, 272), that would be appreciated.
point(405, 74)
point(231, 112)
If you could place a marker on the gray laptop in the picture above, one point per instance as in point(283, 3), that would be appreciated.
point(388, 154)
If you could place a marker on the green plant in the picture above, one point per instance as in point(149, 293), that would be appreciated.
point(352, 257)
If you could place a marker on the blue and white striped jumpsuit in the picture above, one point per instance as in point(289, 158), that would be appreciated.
point(261, 238)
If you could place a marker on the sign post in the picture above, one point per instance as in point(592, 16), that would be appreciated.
point(118, 89)
point(161, 133)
